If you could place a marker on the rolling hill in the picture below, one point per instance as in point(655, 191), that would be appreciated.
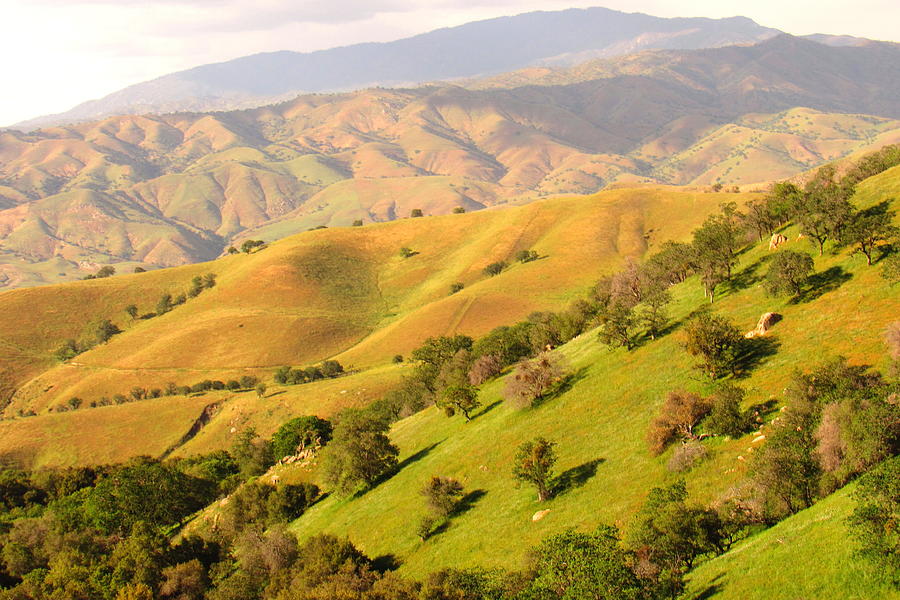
point(348, 293)
point(177, 189)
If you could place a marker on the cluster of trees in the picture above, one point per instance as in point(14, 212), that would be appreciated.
point(102, 273)
point(684, 414)
point(101, 331)
point(94, 335)
point(328, 369)
point(167, 302)
point(106, 532)
point(137, 393)
point(247, 247)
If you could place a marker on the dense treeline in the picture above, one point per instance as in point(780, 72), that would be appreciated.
point(137, 393)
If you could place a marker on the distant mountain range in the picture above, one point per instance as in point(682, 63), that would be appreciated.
point(479, 48)
point(174, 189)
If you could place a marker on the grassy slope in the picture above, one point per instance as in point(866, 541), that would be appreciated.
point(343, 292)
point(602, 417)
point(805, 556)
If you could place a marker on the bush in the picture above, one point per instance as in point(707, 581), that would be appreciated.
point(398, 358)
point(532, 379)
point(458, 210)
point(495, 268)
point(524, 256)
point(358, 223)
point(456, 287)
point(726, 416)
point(416, 212)
point(680, 413)
point(686, 456)
point(406, 252)
point(484, 368)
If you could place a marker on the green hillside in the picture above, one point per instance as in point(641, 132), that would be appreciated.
point(804, 556)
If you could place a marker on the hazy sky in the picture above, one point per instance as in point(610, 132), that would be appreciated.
point(58, 53)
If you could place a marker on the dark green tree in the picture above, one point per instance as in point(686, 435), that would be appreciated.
point(360, 452)
point(870, 227)
point(788, 271)
point(533, 464)
point(875, 522)
point(715, 341)
point(575, 566)
point(300, 433)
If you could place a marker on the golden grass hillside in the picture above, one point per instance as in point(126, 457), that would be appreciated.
point(344, 293)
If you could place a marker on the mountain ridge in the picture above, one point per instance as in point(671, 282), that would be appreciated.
point(481, 47)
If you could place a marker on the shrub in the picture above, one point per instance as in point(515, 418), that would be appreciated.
point(679, 414)
point(358, 223)
point(398, 358)
point(874, 521)
point(406, 252)
point(524, 256)
point(484, 368)
point(456, 287)
point(726, 417)
point(686, 456)
point(532, 379)
point(495, 268)
point(416, 212)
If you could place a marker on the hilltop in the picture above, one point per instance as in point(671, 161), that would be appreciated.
point(176, 189)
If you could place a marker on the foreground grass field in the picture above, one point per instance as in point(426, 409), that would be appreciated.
point(808, 555)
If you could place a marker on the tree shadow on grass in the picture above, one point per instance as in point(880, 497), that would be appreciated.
point(487, 409)
point(715, 586)
point(561, 387)
point(412, 458)
point(819, 284)
point(754, 352)
point(386, 562)
point(465, 504)
point(745, 278)
point(468, 502)
point(575, 477)
point(417, 456)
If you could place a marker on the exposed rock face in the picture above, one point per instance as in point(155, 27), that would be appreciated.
point(777, 240)
point(765, 323)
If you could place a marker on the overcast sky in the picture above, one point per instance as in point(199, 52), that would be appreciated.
point(58, 53)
